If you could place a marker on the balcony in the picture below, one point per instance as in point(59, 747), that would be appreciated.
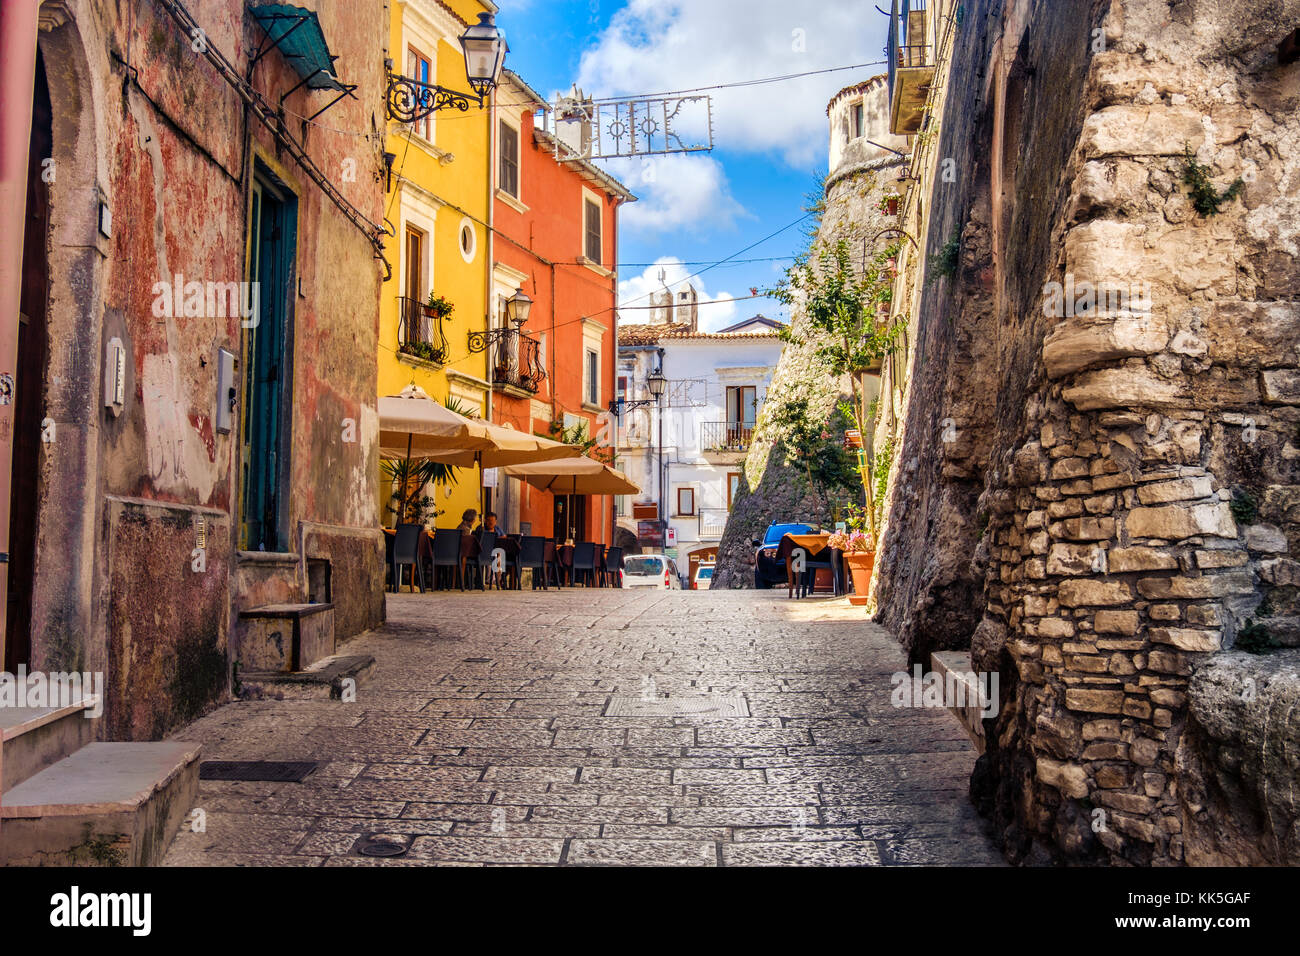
point(911, 66)
point(420, 334)
point(725, 443)
point(713, 521)
point(515, 361)
point(726, 436)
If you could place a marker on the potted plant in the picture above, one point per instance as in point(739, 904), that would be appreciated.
point(438, 307)
point(859, 550)
point(889, 204)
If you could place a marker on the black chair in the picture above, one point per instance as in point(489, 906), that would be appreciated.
point(584, 563)
point(613, 567)
point(487, 542)
point(808, 580)
point(406, 550)
point(532, 555)
point(446, 554)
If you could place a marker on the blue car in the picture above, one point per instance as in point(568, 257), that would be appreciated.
point(769, 570)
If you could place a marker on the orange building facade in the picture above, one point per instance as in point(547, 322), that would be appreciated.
point(554, 238)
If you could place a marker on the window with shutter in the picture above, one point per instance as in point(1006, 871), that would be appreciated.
point(594, 245)
point(508, 178)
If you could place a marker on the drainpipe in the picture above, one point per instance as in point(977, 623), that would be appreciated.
point(491, 267)
point(18, 27)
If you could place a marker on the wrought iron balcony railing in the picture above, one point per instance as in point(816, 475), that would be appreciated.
point(514, 358)
point(725, 436)
point(420, 332)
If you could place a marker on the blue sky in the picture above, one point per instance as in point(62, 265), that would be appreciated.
point(770, 140)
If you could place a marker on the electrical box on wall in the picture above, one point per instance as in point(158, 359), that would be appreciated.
point(226, 391)
point(115, 376)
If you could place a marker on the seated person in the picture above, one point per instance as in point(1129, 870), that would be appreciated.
point(489, 524)
point(466, 525)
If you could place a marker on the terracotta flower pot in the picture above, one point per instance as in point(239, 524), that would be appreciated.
point(860, 565)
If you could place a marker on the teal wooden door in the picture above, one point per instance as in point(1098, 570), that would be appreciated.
point(268, 370)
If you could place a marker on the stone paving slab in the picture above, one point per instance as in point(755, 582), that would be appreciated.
point(478, 744)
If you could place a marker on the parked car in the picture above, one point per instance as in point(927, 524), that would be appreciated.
point(703, 577)
point(769, 570)
point(651, 571)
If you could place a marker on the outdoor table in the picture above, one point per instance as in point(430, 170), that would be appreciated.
point(813, 544)
point(565, 553)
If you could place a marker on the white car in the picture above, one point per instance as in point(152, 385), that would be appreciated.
point(703, 577)
point(651, 571)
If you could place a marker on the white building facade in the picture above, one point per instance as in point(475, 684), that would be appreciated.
point(687, 449)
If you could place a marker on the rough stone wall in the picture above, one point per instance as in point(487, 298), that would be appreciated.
point(771, 490)
point(1141, 481)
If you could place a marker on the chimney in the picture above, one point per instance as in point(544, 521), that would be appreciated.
point(688, 308)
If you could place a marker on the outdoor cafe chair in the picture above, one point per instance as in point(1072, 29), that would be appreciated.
point(532, 554)
point(446, 554)
point(584, 562)
point(612, 567)
point(808, 580)
point(487, 542)
point(406, 550)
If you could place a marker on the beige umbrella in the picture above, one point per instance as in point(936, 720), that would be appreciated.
point(575, 476)
point(413, 425)
point(509, 446)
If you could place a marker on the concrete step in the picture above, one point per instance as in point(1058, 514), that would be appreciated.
point(328, 679)
point(108, 804)
point(34, 738)
point(285, 637)
point(956, 666)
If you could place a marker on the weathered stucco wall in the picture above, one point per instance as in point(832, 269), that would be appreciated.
point(1136, 515)
point(147, 126)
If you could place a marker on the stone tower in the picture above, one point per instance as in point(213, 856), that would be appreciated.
point(862, 170)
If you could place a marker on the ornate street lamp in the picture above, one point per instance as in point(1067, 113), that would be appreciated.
point(655, 382)
point(484, 45)
point(517, 308)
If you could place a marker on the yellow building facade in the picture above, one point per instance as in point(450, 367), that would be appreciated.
point(438, 210)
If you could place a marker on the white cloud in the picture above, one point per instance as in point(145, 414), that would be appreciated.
point(654, 46)
point(636, 291)
point(681, 192)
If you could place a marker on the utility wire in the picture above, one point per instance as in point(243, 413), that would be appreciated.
point(741, 83)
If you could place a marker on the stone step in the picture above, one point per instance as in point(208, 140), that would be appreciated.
point(285, 637)
point(327, 679)
point(971, 713)
point(34, 738)
point(108, 804)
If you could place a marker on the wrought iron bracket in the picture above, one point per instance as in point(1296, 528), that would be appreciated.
point(617, 406)
point(410, 100)
point(479, 341)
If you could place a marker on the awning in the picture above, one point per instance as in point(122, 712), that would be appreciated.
point(297, 34)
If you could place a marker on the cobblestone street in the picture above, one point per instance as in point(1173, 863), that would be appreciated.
point(482, 738)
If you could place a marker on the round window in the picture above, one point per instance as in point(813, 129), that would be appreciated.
point(468, 240)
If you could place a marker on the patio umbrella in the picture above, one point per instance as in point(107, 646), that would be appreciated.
point(508, 446)
point(575, 476)
point(413, 425)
